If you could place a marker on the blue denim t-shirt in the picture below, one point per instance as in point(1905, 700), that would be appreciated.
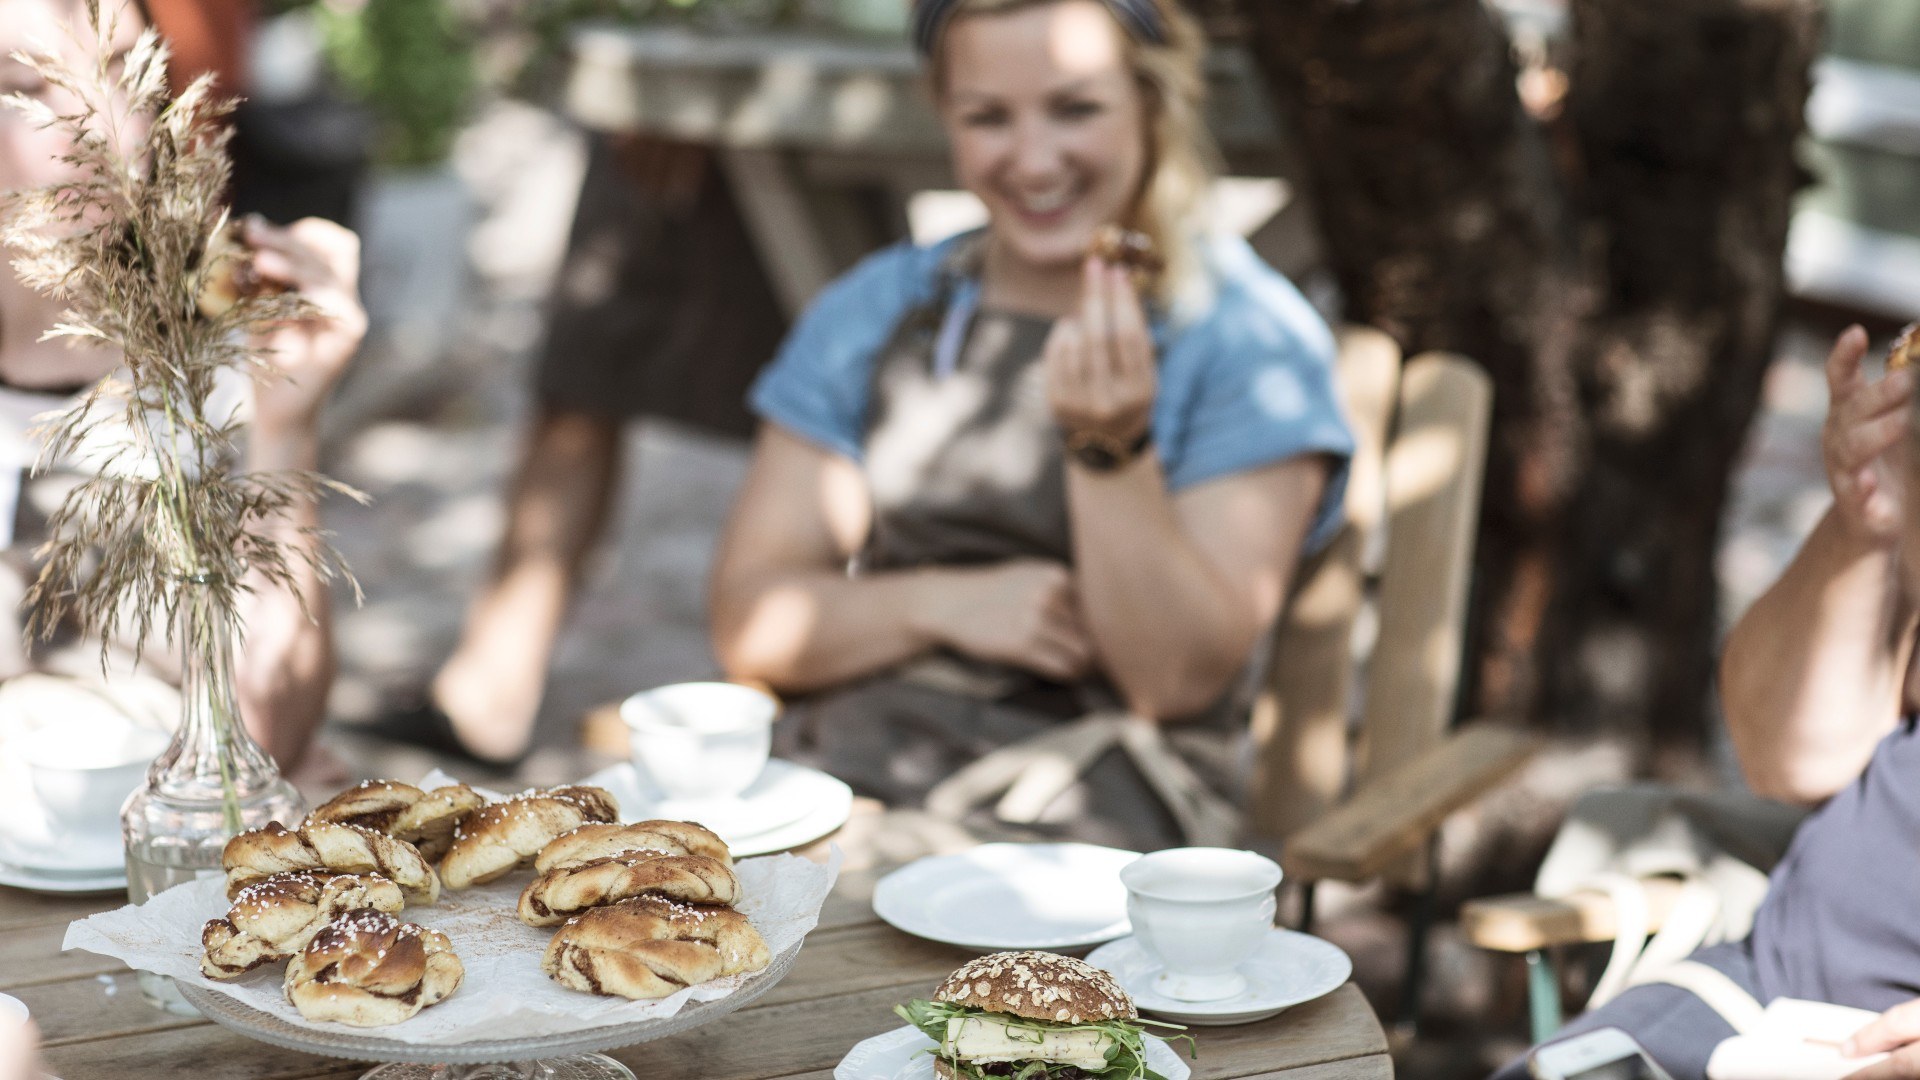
point(1246, 374)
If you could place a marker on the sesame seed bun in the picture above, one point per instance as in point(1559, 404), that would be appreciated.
point(1038, 986)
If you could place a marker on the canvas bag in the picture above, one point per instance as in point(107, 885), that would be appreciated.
point(1722, 845)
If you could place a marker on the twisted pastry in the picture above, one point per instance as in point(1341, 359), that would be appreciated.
point(368, 968)
point(425, 819)
point(260, 853)
point(694, 879)
point(590, 842)
point(1905, 348)
point(494, 840)
point(649, 947)
point(275, 918)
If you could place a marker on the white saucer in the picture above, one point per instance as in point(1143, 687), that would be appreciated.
point(1287, 969)
point(1010, 896)
point(899, 1055)
point(789, 805)
point(28, 843)
point(55, 881)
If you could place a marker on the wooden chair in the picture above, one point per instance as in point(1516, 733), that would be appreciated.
point(1538, 927)
point(1352, 794)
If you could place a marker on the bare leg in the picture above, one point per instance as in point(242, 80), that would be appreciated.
point(491, 686)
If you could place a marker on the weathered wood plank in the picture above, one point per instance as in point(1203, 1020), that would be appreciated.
point(1393, 814)
point(760, 1043)
point(1435, 468)
point(31, 955)
point(103, 1006)
point(200, 1052)
point(1522, 922)
point(779, 1041)
point(19, 908)
point(1300, 717)
point(860, 958)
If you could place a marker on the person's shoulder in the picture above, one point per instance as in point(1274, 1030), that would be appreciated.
point(885, 282)
point(1245, 309)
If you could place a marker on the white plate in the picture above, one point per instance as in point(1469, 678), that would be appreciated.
point(1288, 969)
point(789, 805)
point(1010, 896)
point(897, 1055)
point(47, 881)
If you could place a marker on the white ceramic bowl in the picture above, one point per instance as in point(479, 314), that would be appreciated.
point(81, 773)
point(703, 740)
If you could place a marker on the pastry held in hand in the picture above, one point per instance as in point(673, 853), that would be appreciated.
point(495, 840)
point(651, 947)
point(272, 849)
point(368, 969)
point(1132, 251)
point(558, 894)
point(230, 276)
point(1906, 348)
point(273, 919)
point(425, 819)
point(589, 842)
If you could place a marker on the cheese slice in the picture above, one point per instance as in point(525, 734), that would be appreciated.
point(984, 1039)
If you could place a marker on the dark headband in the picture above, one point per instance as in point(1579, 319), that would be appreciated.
point(1140, 17)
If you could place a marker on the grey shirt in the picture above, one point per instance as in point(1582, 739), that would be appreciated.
point(1841, 921)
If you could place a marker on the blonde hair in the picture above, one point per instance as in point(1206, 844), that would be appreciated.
point(1181, 156)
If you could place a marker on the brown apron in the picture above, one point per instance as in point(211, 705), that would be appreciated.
point(966, 467)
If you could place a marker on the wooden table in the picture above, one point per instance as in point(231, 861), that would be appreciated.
point(851, 972)
point(823, 136)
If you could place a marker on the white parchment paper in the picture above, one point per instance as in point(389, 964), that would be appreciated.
point(505, 994)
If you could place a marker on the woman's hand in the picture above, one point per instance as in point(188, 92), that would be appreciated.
point(1020, 612)
point(1100, 375)
point(321, 261)
point(1865, 420)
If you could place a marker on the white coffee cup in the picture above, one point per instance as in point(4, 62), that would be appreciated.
point(81, 773)
point(13, 1007)
point(1199, 912)
point(703, 740)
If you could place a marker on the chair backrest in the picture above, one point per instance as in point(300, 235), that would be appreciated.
point(1423, 500)
point(1300, 716)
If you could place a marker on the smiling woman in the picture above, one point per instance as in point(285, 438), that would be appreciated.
point(998, 487)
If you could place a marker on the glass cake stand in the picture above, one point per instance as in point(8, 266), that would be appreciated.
point(567, 1056)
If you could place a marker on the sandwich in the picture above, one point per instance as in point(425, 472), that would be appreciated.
point(1906, 348)
point(1032, 1016)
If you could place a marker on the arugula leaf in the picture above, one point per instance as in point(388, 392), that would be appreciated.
point(1126, 1053)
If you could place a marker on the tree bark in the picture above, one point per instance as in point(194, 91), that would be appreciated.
point(1617, 273)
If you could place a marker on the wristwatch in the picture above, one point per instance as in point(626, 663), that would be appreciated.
point(1101, 452)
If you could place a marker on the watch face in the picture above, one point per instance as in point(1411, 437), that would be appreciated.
point(1102, 453)
point(1097, 458)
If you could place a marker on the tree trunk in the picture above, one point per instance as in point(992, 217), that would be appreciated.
point(1617, 273)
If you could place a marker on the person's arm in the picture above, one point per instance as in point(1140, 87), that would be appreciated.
point(785, 611)
point(1175, 589)
point(1812, 675)
point(287, 667)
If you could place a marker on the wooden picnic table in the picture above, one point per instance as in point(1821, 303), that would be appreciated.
point(823, 136)
point(851, 972)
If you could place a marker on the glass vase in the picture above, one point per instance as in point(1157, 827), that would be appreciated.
point(212, 782)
